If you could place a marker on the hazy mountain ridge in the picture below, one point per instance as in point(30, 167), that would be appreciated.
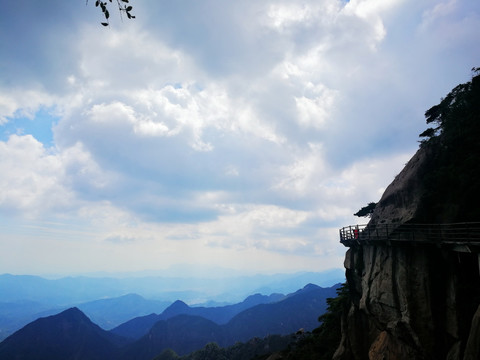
point(139, 326)
point(182, 333)
point(75, 290)
point(298, 310)
point(71, 334)
point(26, 297)
point(107, 313)
point(65, 336)
point(295, 311)
point(15, 315)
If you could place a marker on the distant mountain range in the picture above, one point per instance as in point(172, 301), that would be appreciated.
point(107, 313)
point(110, 301)
point(193, 290)
point(139, 326)
point(72, 335)
point(186, 333)
point(67, 336)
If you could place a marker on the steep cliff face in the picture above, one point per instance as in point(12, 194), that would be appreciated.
point(400, 202)
point(414, 300)
point(411, 302)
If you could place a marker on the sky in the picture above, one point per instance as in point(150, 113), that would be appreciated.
point(222, 134)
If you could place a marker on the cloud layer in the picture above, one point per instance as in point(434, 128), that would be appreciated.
point(239, 134)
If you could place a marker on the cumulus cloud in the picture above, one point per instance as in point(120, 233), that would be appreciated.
point(23, 103)
point(42, 180)
point(238, 131)
point(32, 183)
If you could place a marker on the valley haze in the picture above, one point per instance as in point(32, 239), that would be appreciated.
point(111, 301)
point(167, 287)
point(72, 334)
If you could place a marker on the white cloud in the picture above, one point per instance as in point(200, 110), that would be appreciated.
point(240, 133)
point(284, 15)
point(313, 110)
point(23, 103)
point(31, 182)
point(250, 226)
point(439, 10)
point(301, 176)
point(41, 181)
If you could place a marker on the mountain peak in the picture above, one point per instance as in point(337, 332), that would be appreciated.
point(73, 311)
point(72, 315)
point(310, 287)
point(70, 334)
point(177, 307)
point(179, 304)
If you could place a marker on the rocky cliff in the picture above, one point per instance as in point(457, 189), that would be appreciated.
point(415, 300)
point(411, 302)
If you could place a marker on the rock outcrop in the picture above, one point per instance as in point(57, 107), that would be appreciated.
point(400, 202)
point(419, 300)
point(412, 302)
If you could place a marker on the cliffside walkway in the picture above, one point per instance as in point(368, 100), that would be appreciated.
point(463, 237)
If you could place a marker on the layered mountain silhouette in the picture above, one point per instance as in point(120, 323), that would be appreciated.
point(72, 335)
point(140, 326)
point(298, 310)
point(107, 313)
point(182, 333)
point(25, 298)
point(66, 336)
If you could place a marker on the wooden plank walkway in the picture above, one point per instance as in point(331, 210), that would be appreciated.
point(464, 237)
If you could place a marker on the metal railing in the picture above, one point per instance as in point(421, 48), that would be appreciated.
point(467, 232)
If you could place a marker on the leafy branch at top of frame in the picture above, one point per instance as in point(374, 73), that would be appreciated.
point(123, 7)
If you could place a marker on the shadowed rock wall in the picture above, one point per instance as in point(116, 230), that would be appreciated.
point(410, 302)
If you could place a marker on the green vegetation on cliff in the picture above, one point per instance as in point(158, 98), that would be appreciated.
point(453, 145)
point(324, 340)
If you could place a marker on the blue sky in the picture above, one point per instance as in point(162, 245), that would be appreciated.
point(236, 134)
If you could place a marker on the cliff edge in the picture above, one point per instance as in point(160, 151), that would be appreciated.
point(421, 300)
